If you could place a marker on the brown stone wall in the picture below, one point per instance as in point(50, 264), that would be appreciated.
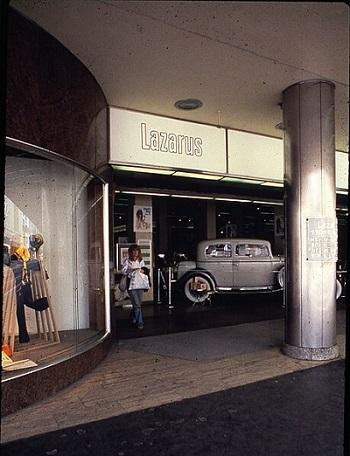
point(53, 101)
point(22, 391)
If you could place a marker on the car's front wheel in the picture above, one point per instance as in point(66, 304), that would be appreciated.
point(197, 288)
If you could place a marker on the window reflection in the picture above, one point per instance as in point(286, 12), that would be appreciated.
point(53, 291)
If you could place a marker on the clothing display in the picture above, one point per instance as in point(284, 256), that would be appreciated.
point(8, 307)
point(42, 303)
point(25, 284)
point(22, 294)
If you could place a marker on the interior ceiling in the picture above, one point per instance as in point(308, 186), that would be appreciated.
point(236, 57)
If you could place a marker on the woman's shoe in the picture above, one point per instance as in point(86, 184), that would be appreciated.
point(140, 327)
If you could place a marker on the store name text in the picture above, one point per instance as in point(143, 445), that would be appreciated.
point(170, 142)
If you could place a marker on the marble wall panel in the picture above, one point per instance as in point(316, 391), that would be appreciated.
point(42, 383)
point(53, 101)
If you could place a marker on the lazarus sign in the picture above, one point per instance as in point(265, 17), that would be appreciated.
point(170, 142)
point(145, 139)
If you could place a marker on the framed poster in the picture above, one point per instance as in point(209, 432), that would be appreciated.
point(143, 219)
point(121, 252)
point(279, 225)
point(146, 250)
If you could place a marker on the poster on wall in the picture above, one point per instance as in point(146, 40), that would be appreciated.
point(122, 252)
point(279, 225)
point(143, 219)
point(146, 251)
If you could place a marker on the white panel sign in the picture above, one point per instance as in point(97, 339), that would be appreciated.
point(145, 139)
point(321, 241)
point(342, 169)
point(257, 156)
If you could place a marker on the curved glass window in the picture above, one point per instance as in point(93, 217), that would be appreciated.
point(53, 289)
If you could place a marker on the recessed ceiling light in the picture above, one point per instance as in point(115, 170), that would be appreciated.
point(188, 103)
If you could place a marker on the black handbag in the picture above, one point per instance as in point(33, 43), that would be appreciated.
point(39, 304)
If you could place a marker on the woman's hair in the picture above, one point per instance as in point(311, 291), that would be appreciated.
point(139, 213)
point(135, 247)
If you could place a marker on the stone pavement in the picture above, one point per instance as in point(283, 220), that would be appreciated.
point(298, 414)
point(153, 371)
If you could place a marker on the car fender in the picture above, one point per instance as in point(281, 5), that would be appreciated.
point(197, 271)
point(184, 267)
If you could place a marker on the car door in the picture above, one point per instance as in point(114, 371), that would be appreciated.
point(218, 261)
point(252, 265)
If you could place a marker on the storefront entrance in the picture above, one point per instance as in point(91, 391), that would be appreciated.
point(179, 222)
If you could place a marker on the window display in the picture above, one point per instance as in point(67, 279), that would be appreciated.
point(53, 257)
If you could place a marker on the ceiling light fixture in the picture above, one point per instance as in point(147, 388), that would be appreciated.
point(273, 184)
point(241, 180)
point(193, 197)
point(268, 202)
point(197, 175)
point(139, 169)
point(144, 193)
point(188, 104)
point(235, 200)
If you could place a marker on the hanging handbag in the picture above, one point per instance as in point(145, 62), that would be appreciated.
point(26, 291)
point(39, 304)
point(123, 284)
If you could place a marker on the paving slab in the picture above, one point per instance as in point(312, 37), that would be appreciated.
point(298, 414)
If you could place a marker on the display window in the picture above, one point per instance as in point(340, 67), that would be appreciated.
point(53, 262)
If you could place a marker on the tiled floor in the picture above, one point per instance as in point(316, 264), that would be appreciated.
point(148, 372)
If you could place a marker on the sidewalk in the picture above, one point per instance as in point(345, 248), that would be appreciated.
point(150, 372)
point(299, 414)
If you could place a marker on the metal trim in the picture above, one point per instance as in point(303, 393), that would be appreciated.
point(46, 153)
point(311, 354)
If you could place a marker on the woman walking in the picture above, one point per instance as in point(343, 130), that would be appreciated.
point(134, 268)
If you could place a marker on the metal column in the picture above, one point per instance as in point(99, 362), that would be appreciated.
point(311, 229)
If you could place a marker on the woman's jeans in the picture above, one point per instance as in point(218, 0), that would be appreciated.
point(136, 301)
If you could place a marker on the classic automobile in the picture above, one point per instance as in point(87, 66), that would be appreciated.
point(235, 265)
point(230, 265)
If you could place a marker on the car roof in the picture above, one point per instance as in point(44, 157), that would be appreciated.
point(235, 240)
